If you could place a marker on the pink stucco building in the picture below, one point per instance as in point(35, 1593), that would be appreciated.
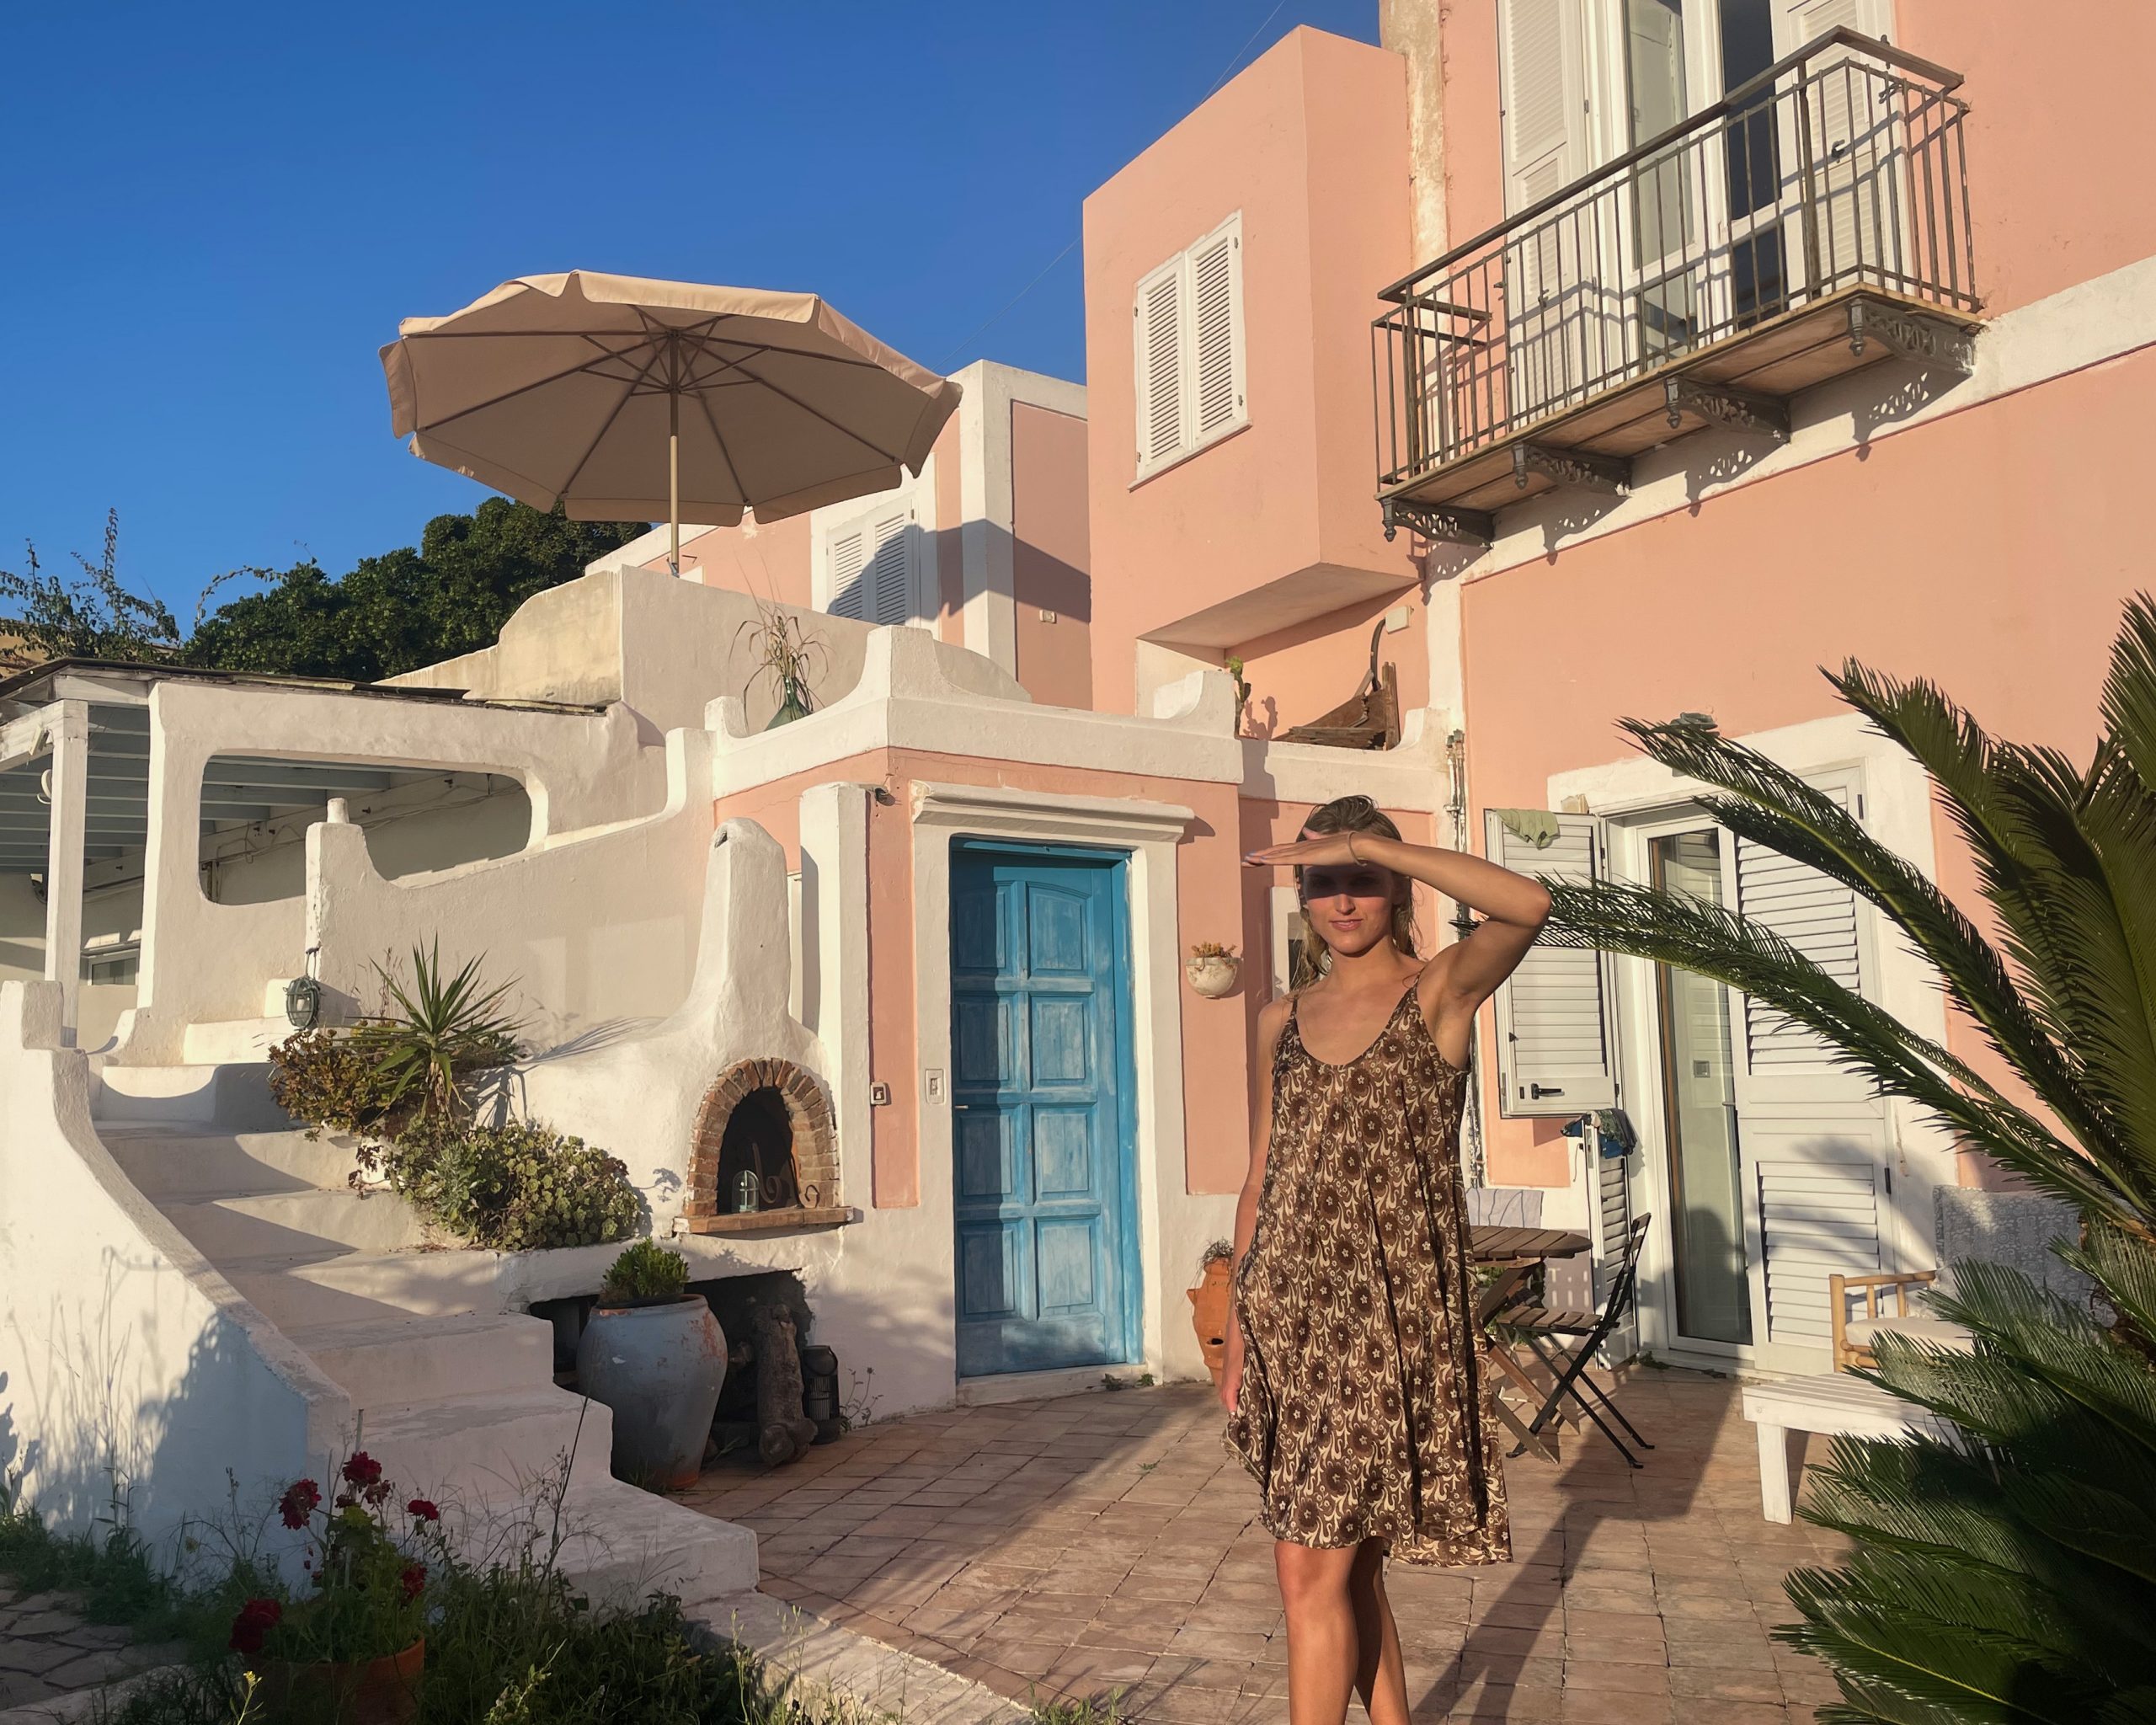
point(1601, 358)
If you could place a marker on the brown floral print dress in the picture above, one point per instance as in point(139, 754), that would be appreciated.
point(1360, 1413)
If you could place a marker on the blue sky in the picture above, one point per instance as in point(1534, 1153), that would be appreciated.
point(213, 216)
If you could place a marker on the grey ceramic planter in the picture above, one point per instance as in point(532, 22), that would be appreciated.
point(659, 1368)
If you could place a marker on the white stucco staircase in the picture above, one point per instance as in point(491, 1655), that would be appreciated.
point(452, 1394)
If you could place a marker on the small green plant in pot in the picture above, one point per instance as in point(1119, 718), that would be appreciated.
point(653, 1352)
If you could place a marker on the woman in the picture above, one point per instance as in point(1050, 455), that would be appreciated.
point(1352, 1383)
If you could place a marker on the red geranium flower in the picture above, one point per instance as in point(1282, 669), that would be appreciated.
point(415, 1578)
point(298, 1502)
point(256, 1619)
point(422, 1509)
point(362, 1469)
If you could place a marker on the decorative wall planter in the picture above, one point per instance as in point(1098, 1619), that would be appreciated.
point(1208, 1314)
point(1212, 975)
point(659, 1368)
point(384, 1691)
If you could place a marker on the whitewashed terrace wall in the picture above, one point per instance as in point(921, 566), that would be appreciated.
point(204, 962)
point(126, 1362)
point(596, 930)
point(636, 1094)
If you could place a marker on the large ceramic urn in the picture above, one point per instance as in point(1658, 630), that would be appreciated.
point(660, 1369)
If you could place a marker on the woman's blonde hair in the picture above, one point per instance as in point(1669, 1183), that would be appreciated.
point(1350, 814)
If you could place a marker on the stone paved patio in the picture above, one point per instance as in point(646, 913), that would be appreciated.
point(48, 1650)
point(1104, 1542)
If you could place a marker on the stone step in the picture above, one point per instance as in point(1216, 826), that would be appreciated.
point(233, 1041)
point(235, 1096)
point(278, 1225)
point(623, 1543)
point(184, 1166)
point(345, 1287)
point(388, 1362)
point(491, 1454)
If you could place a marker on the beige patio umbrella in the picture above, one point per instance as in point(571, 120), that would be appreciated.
point(620, 397)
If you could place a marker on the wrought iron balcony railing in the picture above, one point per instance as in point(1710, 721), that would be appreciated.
point(1835, 182)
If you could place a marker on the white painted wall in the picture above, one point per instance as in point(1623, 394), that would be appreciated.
point(125, 1359)
point(597, 930)
point(205, 962)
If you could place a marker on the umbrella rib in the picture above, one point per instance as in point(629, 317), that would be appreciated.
point(628, 394)
point(843, 430)
point(537, 383)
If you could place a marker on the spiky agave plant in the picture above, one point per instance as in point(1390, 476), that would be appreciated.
point(2004, 1570)
point(441, 1029)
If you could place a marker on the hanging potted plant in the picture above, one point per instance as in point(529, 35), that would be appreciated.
point(653, 1352)
point(1208, 1302)
point(350, 1650)
point(787, 653)
point(1211, 969)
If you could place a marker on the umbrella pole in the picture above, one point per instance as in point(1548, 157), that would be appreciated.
point(674, 482)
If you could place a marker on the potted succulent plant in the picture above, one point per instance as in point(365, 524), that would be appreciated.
point(351, 1649)
point(1208, 1302)
point(1211, 969)
point(653, 1352)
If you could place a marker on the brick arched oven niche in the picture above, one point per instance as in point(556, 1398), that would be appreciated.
point(766, 1087)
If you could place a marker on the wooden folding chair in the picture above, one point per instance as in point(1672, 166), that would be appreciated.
point(1547, 1332)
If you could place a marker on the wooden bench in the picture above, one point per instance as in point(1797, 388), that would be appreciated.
point(1833, 1403)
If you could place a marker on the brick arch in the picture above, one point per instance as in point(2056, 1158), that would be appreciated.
point(808, 1110)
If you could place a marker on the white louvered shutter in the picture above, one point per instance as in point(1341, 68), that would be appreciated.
point(848, 556)
point(1162, 430)
point(1216, 298)
point(1549, 302)
point(1813, 1135)
point(889, 582)
point(1610, 1188)
point(1556, 1042)
point(1852, 143)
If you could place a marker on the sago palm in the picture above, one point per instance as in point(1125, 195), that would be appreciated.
point(2006, 1571)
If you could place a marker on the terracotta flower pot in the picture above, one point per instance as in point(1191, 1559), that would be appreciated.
point(1208, 1314)
point(384, 1691)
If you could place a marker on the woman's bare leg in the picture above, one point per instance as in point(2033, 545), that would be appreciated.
point(1317, 1588)
point(1380, 1674)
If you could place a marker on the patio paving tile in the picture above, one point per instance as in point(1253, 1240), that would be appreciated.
point(1106, 1544)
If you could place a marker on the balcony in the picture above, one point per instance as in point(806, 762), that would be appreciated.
point(1813, 221)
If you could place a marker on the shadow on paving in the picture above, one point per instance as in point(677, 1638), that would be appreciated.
point(1105, 1543)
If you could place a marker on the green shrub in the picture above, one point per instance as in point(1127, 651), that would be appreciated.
point(439, 1034)
point(517, 1187)
point(323, 1077)
point(646, 1275)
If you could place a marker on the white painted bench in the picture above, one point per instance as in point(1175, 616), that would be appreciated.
point(1833, 1403)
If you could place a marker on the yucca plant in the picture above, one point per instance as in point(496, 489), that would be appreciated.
point(2004, 1571)
point(442, 1030)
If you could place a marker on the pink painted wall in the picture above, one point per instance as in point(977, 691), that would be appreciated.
point(1309, 144)
point(1990, 551)
point(1218, 899)
point(1298, 674)
point(2053, 134)
point(765, 561)
point(1052, 558)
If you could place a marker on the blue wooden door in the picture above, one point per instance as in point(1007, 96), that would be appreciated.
point(1040, 1039)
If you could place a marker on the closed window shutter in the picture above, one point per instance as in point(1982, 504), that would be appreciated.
point(1818, 1218)
point(1159, 367)
point(1612, 1225)
point(1544, 124)
point(888, 583)
point(1817, 917)
point(1550, 303)
point(1216, 300)
point(1556, 1045)
point(848, 554)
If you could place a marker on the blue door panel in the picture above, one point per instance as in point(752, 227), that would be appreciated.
point(1043, 1174)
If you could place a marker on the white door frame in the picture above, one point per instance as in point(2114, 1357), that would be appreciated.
point(1638, 796)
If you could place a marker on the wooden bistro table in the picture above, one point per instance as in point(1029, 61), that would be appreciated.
point(1512, 1252)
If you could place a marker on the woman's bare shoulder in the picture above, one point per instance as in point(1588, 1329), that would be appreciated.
point(1273, 1019)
